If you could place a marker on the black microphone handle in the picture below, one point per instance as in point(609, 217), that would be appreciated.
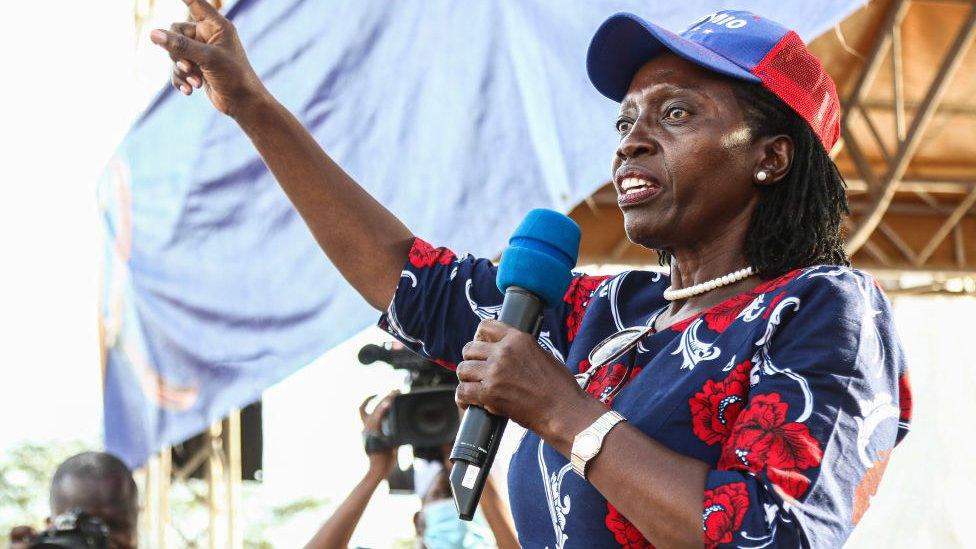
point(522, 310)
point(480, 432)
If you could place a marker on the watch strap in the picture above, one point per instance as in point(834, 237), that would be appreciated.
point(375, 443)
point(598, 428)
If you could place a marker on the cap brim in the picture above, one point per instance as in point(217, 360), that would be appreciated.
point(624, 42)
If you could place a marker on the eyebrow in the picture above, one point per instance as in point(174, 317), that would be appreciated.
point(662, 89)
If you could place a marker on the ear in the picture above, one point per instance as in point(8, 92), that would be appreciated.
point(775, 158)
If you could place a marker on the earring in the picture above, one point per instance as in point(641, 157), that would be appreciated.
point(761, 175)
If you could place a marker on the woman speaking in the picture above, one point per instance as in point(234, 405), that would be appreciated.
point(751, 398)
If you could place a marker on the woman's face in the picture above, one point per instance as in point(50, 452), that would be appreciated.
point(685, 164)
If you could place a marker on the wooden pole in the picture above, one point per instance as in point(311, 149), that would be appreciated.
point(232, 445)
point(215, 472)
point(163, 484)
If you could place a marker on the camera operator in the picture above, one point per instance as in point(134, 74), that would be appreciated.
point(21, 537)
point(437, 524)
point(94, 503)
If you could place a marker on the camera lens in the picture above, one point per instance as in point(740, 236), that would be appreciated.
point(430, 419)
point(423, 418)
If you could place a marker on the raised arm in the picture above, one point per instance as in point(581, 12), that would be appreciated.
point(499, 517)
point(339, 528)
point(366, 242)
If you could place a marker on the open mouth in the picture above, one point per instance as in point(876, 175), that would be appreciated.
point(633, 185)
point(634, 190)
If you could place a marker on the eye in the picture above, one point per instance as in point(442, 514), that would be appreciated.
point(624, 125)
point(676, 113)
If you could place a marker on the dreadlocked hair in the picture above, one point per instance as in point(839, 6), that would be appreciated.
point(797, 222)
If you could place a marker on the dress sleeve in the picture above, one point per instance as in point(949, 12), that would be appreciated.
point(441, 298)
point(828, 400)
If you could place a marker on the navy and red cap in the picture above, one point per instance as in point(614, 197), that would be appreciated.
point(738, 44)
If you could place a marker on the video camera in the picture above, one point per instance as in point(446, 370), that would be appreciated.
point(427, 416)
point(73, 530)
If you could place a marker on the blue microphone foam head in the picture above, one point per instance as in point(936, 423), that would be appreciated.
point(541, 255)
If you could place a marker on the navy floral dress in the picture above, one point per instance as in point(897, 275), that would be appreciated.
point(795, 393)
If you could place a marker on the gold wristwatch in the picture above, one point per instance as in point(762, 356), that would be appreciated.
point(589, 441)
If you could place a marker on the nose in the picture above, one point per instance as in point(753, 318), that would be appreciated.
point(636, 143)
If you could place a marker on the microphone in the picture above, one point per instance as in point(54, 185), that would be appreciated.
point(535, 272)
point(371, 353)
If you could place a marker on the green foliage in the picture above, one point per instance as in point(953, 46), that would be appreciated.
point(287, 511)
point(262, 520)
point(25, 475)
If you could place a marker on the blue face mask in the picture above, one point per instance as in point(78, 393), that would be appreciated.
point(444, 530)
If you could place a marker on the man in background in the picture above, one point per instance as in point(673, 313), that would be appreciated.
point(100, 485)
point(21, 537)
point(96, 485)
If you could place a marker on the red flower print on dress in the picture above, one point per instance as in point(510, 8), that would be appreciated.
point(904, 398)
point(578, 295)
point(606, 378)
point(775, 283)
point(772, 305)
point(682, 324)
point(790, 482)
point(724, 508)
point(715, 408)
point(422, 255)
point(721, 316)
point(762, 439)
point(626, 534)
point(445, 364)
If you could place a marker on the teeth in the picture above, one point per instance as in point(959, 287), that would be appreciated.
point(632, 185)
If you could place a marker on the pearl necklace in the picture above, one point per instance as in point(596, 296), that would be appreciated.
point(698, 289)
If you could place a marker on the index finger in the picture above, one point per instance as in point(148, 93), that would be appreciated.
point(388, 398)
point(491, 330)
point(362, 407)
point(202, 10)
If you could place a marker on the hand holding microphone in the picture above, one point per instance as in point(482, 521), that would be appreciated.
point(512, 376)
point(505, 371)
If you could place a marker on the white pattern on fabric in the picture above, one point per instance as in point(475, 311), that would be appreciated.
point(396, 330)
point(763, 363)
point(559, 505)
point(545, 341)
point(693, 349)
point(484, 312)
point(754, 310)
point(773, 516)
point(612, 298)
point(872, 345)
point(873, 413)
point(410, 276)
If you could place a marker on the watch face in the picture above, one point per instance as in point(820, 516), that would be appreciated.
point(587, 445)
